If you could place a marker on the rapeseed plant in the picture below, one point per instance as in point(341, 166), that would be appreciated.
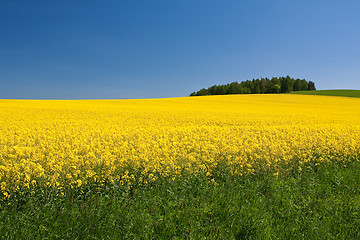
point(48, 143)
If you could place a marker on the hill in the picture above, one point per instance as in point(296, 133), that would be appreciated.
point(340, 93)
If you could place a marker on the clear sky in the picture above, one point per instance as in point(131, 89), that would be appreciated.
point(139, 49)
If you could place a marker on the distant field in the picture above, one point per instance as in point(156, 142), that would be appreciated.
point(340, 93)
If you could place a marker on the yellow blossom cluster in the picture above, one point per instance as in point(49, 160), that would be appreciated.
point(76, 142)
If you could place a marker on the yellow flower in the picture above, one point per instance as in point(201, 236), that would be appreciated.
point(57, 143)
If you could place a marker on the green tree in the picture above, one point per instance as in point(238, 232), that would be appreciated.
point(263, 85)
point(311, 86)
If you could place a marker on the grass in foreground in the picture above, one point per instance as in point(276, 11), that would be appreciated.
point(319, 202)
point(340, 93)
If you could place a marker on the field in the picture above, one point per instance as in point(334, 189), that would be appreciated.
point(339, 93)
point(214, 167)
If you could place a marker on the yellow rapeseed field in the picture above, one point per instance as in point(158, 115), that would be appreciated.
point(72, 143)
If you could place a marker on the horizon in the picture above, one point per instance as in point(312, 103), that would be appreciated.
point(87, 50)
point(154, 98)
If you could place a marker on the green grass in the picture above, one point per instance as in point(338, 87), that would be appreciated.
point(319, 202)
point(340, 93)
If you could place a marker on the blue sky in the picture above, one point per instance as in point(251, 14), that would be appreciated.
point(143, 49)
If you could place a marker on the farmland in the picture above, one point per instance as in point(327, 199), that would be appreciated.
point(226, 167)
point(339, 93)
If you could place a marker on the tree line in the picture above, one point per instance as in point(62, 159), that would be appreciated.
point(257, 86)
